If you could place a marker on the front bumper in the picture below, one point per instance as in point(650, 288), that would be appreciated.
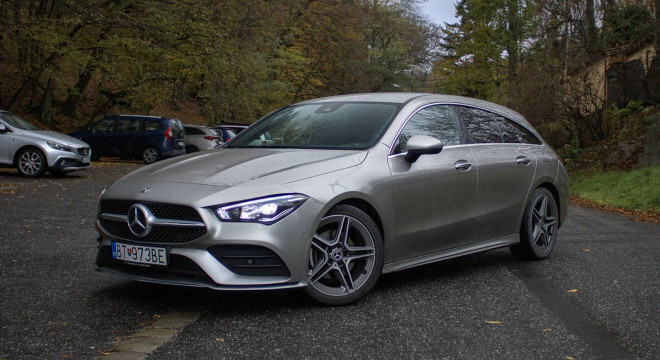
point(65, 161)
point(197, 263)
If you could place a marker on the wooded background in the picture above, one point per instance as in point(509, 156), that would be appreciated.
point(66, 63)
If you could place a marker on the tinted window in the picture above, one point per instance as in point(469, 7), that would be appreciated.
point(480, 126)
point(512, 132)
point(322, 125)
point(436, 121)
point(128, 125)
point(193, 131)
point(150, 125)
point(104, 126)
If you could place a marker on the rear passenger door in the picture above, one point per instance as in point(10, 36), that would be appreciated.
point(127, 136)
point(506, 166)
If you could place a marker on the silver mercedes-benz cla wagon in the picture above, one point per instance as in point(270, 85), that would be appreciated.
point(329, 194)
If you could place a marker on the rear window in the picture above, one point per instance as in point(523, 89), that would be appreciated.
point(176, 125)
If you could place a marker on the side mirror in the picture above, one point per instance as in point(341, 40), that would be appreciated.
point(3, 128)
point(419, 145)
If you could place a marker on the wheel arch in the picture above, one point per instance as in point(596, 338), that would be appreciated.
point(367, 208)
point(28, 146)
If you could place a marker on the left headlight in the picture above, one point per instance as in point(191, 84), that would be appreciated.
point(266, 210)
point(58, 146)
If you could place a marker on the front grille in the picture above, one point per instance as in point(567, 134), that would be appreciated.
point(250, 260)
point(180, 268)
point(84, 151)
point(159, 233)
point(162, 211)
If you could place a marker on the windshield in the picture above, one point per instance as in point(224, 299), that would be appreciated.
point(354, 126)
point(17, 122)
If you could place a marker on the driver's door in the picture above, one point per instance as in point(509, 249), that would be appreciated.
point(435, 196)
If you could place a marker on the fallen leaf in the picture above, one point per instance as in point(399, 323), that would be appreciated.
point(493, 322)
point(546, 330)
point(66, 356)
point(569, 358)
point(586, 250)
point(221, 340)
point(573, 291)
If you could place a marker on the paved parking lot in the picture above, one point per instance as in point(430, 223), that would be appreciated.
point(597, 297)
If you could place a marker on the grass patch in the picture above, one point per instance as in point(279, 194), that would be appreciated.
point(638, 189)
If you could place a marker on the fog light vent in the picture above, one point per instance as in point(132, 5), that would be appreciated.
point(250, 260)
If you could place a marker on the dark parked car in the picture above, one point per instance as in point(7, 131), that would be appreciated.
point(149, 138)
point(226, 133)
point(330, 193)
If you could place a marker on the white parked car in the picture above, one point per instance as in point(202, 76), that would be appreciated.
point(33, 150)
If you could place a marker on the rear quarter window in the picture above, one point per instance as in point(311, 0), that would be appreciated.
point(151, 125)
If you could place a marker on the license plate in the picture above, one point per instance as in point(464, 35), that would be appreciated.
point(85, 160)
point(180, 142)
point(139, 254)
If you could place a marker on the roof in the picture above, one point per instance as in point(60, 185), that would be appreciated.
point(404, 98)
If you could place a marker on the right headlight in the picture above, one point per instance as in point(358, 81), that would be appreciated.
point(265, 210)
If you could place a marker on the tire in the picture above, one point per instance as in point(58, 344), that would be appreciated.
point(346, 257)
point(191, 149)
point(150, 155)
point(538, 232)
point(31, 162)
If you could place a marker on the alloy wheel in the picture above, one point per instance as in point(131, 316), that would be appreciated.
point(544, 223)
point(31, 163)
point(342, 256)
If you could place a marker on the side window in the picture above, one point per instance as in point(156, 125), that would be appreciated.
point(104, 126)
point(150, 125)
point(193, 131)
point(128, 125)
point(512, 132)
point(482, 127)
point(437, 121)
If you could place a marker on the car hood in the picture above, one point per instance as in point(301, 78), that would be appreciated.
point(63, 139)
point(236, 166)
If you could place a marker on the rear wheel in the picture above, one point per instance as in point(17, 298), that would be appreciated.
point(346, 256)
point(31, 162)
point(191, 149)
point(150, 155)
point(538, 233)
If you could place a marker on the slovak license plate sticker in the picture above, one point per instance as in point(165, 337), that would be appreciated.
point(139, 254)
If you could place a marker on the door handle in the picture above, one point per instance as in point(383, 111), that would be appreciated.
point(523, 160)
point(462, 165)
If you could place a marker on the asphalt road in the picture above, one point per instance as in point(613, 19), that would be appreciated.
point(53, 305)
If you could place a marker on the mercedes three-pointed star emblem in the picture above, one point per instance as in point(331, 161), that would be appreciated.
point(139, 220)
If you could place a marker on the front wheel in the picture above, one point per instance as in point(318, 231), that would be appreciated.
point(31, 163)
point(538, 233)
point(150, 155)
point(346, 256)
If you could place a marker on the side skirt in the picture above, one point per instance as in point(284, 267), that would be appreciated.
point(503, 241)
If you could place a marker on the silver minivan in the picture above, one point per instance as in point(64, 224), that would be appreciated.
point(33, 150)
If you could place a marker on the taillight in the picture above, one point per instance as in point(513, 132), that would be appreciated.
point(168, 134)
point(560, 159)
point(211, 138)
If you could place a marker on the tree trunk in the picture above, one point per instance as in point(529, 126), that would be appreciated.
point(46, 106)
point(512, 49)
point(657, 27)
point(590, 15)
